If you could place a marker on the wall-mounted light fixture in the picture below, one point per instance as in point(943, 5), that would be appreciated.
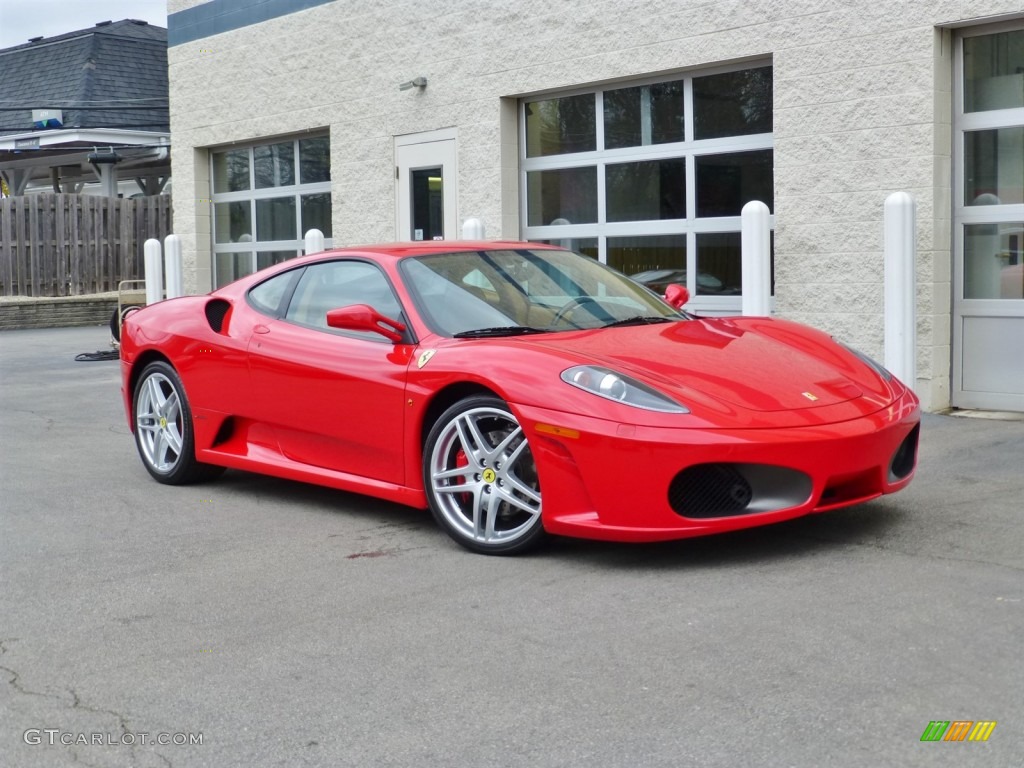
point(419, 82)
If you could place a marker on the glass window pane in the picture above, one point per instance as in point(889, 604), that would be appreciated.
point(269, 258)
point(314, 160)
point(274, 164)
point(233, 223)
point(725, 183)
point(585, 245)
point(994, 71)
point(231, 266)
point(275, 219)
point(718, 264)
point(266, 297)
point(427, 219)
point(994, 261)
point(560, 126)
point(642, 115)
point(316, 213)
point(231, 170)
point(733, 103)
point(651, 189)
point(994, 167)
point(650, 259)
point(566, 196)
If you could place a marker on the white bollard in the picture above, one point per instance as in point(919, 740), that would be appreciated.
point(756, 259)
point(473, 229)
point(314, 241)
point(154, 271)
point(901, 287)
point(173, 273)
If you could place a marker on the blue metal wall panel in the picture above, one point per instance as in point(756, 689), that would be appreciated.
point(219, 16)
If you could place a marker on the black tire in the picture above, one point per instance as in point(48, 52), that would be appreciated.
point(163, 428)
point(481, 479)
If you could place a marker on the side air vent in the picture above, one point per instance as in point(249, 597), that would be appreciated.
point(217, 312)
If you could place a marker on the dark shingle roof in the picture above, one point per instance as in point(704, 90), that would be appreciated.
point(120, 65)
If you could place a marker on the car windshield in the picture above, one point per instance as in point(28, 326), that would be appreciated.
point(507, 292)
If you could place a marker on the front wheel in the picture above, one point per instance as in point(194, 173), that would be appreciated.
point(481, 479)
point(163, 428)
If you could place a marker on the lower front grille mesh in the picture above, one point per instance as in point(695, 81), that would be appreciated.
point(709, 490)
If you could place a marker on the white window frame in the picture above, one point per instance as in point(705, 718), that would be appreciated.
point(689, 149)
point(251, 195)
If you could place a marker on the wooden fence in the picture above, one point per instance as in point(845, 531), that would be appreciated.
point(71, 245)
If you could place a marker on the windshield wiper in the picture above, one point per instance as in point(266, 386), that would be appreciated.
point(639, 320)
point(501, 330)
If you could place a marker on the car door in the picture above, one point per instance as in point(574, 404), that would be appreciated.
point(333, 398)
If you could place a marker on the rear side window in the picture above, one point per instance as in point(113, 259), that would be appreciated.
point(268, 295)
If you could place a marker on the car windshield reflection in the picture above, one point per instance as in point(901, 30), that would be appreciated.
point(465, 292)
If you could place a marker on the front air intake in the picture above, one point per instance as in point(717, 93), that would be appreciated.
point(710, 490)
point(727, 490)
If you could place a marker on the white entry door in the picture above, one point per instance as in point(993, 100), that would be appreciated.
point(425, 189)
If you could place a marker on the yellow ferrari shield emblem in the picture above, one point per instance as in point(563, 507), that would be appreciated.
point(424, 358)
point(489, 475)
point(809, 396)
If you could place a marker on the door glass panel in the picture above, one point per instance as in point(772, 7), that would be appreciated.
point(993, 71)
point(231, 266)
point(427, 204)
point(718, 264)
point(642, 115)
point(275, 165)
point(994, 261)
point(654, 261)
point(725, 183)
point(733, 103)
point(231, 170)
point(994, 167)
point(234, 222)
point(316, 213)
point(275, 218)
point(560, 126)
point(646, 190)
point(564, 196)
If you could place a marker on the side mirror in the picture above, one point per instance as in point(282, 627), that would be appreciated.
point(677, 295)
point(363, 317)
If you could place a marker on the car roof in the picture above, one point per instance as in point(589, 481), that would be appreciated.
point(402, 250)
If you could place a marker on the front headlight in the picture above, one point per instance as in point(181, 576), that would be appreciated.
point(610, 385)
point(873, 364)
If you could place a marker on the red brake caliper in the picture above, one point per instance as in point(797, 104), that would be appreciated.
point(461, 460)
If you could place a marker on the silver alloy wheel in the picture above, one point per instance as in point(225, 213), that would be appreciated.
point(159, 423)
point(483, 477)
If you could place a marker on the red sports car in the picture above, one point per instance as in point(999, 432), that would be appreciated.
point(515, 389)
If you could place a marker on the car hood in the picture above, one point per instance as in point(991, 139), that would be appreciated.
point(781, 367)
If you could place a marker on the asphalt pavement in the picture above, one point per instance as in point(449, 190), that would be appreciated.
point(259, 622)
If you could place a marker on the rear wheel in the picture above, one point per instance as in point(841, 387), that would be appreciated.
point(163, 428)
point(481, 479)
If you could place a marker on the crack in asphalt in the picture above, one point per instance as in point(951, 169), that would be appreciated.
point(14, 680)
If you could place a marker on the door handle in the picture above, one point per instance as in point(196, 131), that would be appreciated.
point(261, 329)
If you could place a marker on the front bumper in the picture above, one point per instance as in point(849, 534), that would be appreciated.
point(608, 480)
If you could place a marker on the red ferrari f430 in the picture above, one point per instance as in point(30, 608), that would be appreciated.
point(515, 389)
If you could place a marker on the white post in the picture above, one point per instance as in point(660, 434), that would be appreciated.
point(473, 229)
point(314, 241)
point(154, 273)
point(756, 259)
point(900, 287)
point(173, 272)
